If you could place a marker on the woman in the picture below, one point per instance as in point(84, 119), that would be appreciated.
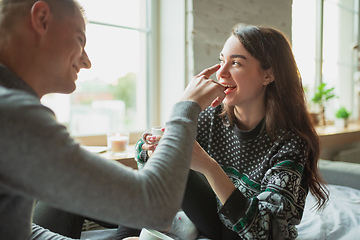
point(258, 150)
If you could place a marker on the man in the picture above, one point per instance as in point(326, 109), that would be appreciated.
point(41, 51)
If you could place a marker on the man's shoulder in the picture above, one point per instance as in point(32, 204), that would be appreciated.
point(9, 96)
point(18, 103)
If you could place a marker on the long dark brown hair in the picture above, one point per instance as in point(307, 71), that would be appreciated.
point(284, 97)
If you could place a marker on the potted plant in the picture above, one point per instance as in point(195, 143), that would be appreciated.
point(342, 116)
point(322, 95)
point(313, 115)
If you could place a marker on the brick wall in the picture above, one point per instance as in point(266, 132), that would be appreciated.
point(214, 19)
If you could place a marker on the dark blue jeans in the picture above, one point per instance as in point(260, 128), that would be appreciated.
point(61, 222)
point(200, 206)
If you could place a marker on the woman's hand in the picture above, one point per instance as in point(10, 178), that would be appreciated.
point(150, 148)
point(219, 181)
point(201, 161)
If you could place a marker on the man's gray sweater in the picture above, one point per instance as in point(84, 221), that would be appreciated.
point(39, 160)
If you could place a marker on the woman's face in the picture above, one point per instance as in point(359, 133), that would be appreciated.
point(242, 74)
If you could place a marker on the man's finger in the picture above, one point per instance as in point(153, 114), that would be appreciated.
point(210, 71)
point(219, 85)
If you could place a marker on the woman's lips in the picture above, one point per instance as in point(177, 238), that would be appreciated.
point(229, 88)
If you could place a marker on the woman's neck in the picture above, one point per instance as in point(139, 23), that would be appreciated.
point(248, 119)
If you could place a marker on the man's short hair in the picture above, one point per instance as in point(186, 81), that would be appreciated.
point(13, 10)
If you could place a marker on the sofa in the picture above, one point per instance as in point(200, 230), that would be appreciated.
point(340, 219)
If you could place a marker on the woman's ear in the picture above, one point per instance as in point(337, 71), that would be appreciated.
point(40, 16)
point(268, 76)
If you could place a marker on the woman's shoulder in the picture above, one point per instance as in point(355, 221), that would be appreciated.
point(287, 135)
point(211, 112)
point(290, 141)
point(217, 109)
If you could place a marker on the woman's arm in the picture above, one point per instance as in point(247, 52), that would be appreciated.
point(219, 181)
point(279, 204)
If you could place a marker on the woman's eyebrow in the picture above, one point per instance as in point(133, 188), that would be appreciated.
point(235, 56)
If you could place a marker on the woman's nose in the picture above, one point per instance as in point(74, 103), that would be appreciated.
point(223, 72)
point(85, 61)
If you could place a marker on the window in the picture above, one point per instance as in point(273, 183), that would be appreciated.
point(111, 95)
point(324, 37)
point(303, 39)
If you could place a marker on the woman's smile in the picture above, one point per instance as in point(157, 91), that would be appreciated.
point(228, 88)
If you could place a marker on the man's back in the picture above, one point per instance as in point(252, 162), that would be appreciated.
point(15, 208)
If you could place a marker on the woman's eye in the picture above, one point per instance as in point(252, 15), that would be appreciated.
point(236, 63)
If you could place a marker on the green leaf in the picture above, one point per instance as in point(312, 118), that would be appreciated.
point(342, 113)
point(322, 94)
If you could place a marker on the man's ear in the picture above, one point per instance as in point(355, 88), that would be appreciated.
point(268, 76)
point(40, 16)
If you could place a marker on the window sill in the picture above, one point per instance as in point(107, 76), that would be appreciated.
point(100, 140)
point(331, 135)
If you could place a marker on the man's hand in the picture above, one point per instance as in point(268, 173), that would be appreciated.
point(203, 90)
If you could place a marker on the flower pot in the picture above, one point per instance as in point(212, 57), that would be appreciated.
point(341, 122)
point(314, 118)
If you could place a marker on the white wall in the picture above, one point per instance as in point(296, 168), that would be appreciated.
point(193, 32)
point(172, 48)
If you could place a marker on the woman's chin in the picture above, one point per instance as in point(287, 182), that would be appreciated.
point(228, 102)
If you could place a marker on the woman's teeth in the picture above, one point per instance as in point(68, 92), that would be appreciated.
point(228, 86)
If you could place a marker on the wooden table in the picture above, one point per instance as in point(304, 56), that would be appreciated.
point(334, 136)
point(127, 159)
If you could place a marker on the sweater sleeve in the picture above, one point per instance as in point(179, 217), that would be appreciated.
point(281, 199)
point(41, 161)
point(40, 233)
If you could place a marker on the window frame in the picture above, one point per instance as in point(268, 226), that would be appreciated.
point(167, 76)
point(352, 102)
point(152, 109)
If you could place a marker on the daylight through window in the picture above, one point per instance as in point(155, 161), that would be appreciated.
point(109, 96)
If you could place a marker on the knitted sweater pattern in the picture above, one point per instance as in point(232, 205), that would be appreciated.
point(268, 175)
